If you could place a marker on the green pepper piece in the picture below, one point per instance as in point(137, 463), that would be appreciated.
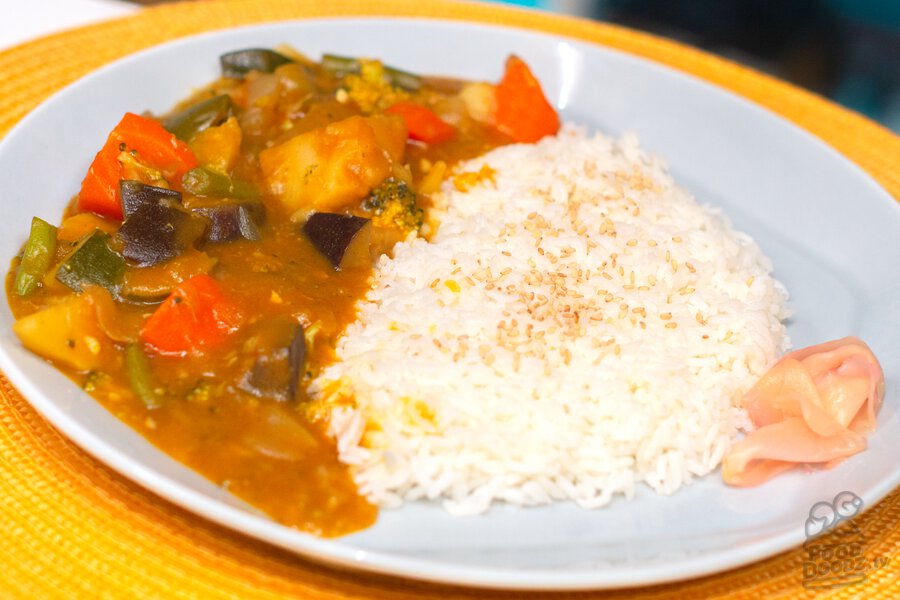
point(36, 257)
point(204, 182)
point(240, 62)
point(197, 117)
point(138, 369)
point(93, 261)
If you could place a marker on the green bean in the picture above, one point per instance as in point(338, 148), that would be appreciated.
point(36, 257)
point(204, 182)
point(197, 117)
point(341, 66)
point(403, 79)
point(138, 369)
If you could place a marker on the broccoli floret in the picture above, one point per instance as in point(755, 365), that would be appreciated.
point(393, 205)
point(372, 89)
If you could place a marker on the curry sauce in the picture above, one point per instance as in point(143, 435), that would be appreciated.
point(213, 256)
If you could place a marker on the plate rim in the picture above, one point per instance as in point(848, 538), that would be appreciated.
point(379, 562)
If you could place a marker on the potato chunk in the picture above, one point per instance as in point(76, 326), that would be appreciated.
point(66, 333)
point(218, 147)
point(329, 168)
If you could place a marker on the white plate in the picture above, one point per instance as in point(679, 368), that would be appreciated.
point(832, 233)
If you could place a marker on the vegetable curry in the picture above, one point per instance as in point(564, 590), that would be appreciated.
point(212, 257)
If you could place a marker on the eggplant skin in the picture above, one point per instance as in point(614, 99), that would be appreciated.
point(157, 233)
point(240, 62)
point(136, 194)
point(279, 363)
point(230, 221)
point(332, 233)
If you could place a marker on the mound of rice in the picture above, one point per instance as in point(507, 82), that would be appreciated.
point(578, 324)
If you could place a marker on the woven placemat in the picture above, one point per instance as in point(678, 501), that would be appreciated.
point(70, 527)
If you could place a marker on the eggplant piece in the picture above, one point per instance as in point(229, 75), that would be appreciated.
point(240, 62)
point(333, 235)
point(278, 355)
point(136, 194)
point(195, 118)
point(92, 262)
point(233, 220)
point(157, 233)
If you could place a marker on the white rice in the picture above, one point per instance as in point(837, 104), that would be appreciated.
point(575, 327)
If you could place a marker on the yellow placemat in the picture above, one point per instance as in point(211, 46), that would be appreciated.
point(70, 527)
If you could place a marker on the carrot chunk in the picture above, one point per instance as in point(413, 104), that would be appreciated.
point(522, 110)
point(196, 315)
point(151, 144)
point(423, 125)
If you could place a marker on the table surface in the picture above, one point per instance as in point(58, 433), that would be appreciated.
point(36, 18)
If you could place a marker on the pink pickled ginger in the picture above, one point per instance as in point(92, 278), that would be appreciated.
point(815, 406)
